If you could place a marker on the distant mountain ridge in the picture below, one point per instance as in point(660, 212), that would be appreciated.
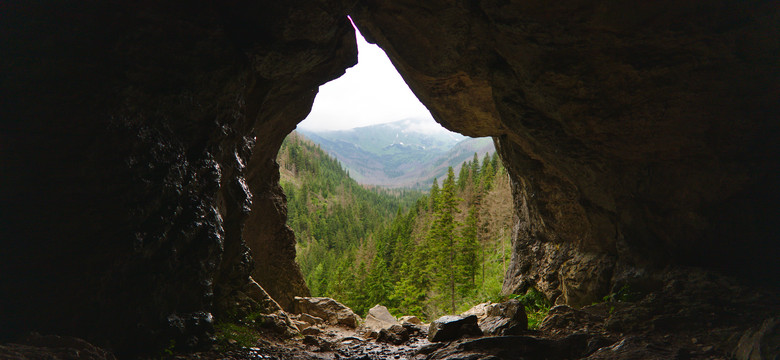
point(406, 153)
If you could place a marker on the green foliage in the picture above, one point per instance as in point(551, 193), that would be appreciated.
point(536, 306)
point(418, 255)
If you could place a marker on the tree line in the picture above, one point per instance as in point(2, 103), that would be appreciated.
point(418, 254)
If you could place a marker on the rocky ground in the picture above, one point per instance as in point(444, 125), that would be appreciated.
point(693, 315)
point(690, 314)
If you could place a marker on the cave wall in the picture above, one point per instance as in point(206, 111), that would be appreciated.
point(139, 188)
point(637, 134)
point(127, 132)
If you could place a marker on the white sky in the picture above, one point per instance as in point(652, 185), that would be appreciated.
point(371, 92)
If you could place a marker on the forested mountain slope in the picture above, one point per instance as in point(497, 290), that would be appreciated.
point(330, 212)
point(407, 153)
point(418, 255)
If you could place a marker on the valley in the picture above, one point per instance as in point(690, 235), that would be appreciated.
point(401, 248)
point(408, 153)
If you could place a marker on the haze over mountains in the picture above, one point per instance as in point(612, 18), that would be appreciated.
point(406, 153)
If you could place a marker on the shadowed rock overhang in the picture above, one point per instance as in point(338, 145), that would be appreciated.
point(138, 144)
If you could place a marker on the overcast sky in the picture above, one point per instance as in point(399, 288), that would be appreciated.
point(371, 92)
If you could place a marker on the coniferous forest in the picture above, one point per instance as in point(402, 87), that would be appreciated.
point(418, 254)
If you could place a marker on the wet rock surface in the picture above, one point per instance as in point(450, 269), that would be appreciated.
point(453, 327)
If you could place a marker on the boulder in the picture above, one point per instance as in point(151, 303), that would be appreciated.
point(507, 318)
point(410, 319)
point(453, 327)
point(395, 334)
point(480, 310)
point(379, 318)
point(332, 311)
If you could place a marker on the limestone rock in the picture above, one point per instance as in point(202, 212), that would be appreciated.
point(410, 319)
point(311, 320)
point(256, 292)
point(480, 310)
point(592, 183)
point(584, 279)
point(453, 327)
point(762, 343)
point(152, 147)
point(507, 318)
point(395, 334)
point(379, 318)
point(642, 133)
point(327, 309)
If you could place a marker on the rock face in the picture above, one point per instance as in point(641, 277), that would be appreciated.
point(327, 309)
point(137, 139)
point(453, 327)
point(636, 135)
point(138, 144)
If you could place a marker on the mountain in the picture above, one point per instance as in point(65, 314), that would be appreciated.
point(405, 153)
point(368, 245)
point(330, 213)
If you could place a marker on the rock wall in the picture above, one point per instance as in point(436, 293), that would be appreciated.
point(127, 129)
point(637, 134)
point(138, 141)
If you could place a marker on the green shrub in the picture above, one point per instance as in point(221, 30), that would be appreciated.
point(536, 306)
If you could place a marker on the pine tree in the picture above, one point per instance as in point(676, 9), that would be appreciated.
point(434, 195)
point(488, 173)
point(444, 238)
point(463, 175)
point(494, 161)
point(475, 168)
point(468, 247)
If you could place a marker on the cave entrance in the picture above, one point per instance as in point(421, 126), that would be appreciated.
point(367, 175)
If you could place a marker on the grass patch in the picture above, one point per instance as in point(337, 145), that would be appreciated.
point(232, 335)
point(536, 306)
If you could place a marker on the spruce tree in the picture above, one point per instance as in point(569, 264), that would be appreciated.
point(444, 238)
point(434, 195)
point(488, 173)
point(475, 168)
point(468, 247)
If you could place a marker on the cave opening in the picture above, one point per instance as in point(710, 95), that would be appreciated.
point(640, 141)
point(358, 173)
